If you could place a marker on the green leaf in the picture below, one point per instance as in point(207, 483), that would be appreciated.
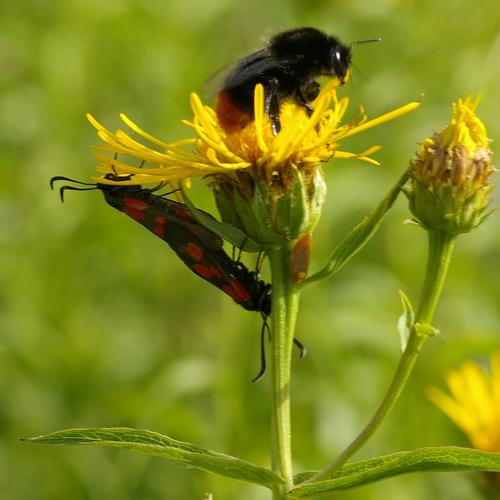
point(436, 459)
point(156, 444)
point(359, 236)
point(406, 321)
point(227, 232)
point(426, 330)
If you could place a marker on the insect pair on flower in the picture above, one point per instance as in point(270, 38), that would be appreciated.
point(286, 69)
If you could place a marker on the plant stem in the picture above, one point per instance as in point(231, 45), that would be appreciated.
point(283, 315)
point(440, 250)
point(439, 256)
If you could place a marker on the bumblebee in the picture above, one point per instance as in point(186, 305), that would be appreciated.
point(287, 68)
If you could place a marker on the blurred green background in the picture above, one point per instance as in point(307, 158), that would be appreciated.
point(101, 324)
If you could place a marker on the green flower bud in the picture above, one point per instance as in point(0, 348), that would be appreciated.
point(451, 174)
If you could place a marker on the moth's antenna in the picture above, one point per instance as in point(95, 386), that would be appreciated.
point(262, 368)
point(71, 188)
point(369, 40)
point(74, 188)
point(62, 178)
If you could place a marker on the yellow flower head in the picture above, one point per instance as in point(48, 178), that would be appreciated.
point(269, 186)
point(451, 174)
point(304, 141)
point(474, 403)
point(465, 128)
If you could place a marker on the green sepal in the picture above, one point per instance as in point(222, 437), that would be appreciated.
point(435, 459)
point(292, 209)
point(261, 212)
point(317, 199)
point(240, 206)
point(226, 209)
point(406, 321)
point(226, 231)
point(152, 443)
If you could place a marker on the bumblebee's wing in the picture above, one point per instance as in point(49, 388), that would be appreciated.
point(248, 68)
point(251, 67)
point(232, 74)
point(215, 83)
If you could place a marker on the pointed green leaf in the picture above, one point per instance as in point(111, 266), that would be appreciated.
point(406, 321)
point(436, 459)
point(156, 444)
point(227, 232)
point(359, 236)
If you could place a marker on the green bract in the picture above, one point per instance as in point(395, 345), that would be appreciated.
point(275, 212)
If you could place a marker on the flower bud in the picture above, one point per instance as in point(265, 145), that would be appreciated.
point(277, 211)
point(451, 174)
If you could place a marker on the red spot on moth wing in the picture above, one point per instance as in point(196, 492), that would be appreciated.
point(159, 230)
point(227, 288)
point(159, 226)
point(135, 213)
point(231, 118)
point(211, 241)
point(195, 251)
point(159, 219)
point(182, 213)
point(237, 291)
point(203, 271)
point(135, 203)
point(216, 272)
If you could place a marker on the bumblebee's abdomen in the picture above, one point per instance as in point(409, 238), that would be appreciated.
point(233, 116)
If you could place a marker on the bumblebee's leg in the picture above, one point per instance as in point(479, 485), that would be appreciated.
point(272, 105)
point(304, 103)
point(311, 90)
point(308, 93)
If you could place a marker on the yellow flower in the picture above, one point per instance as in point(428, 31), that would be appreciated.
point(304, 141)
point(464, 128)
point(269, 186)
point(474, 403)
point(451, 174)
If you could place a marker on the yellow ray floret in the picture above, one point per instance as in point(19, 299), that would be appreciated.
point(464, 128)
point(474, 402)
point(304, 141)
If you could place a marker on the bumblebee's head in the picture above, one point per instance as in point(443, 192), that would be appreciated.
point(339, 60)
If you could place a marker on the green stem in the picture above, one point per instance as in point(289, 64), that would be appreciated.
point(439, 256)
point(283, 315)
point(440, 250)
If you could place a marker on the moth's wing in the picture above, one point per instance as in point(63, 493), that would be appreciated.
point(198, 247)
point(181, 214)
point(207, 259)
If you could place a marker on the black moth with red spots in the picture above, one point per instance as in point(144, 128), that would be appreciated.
point(198, 247)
